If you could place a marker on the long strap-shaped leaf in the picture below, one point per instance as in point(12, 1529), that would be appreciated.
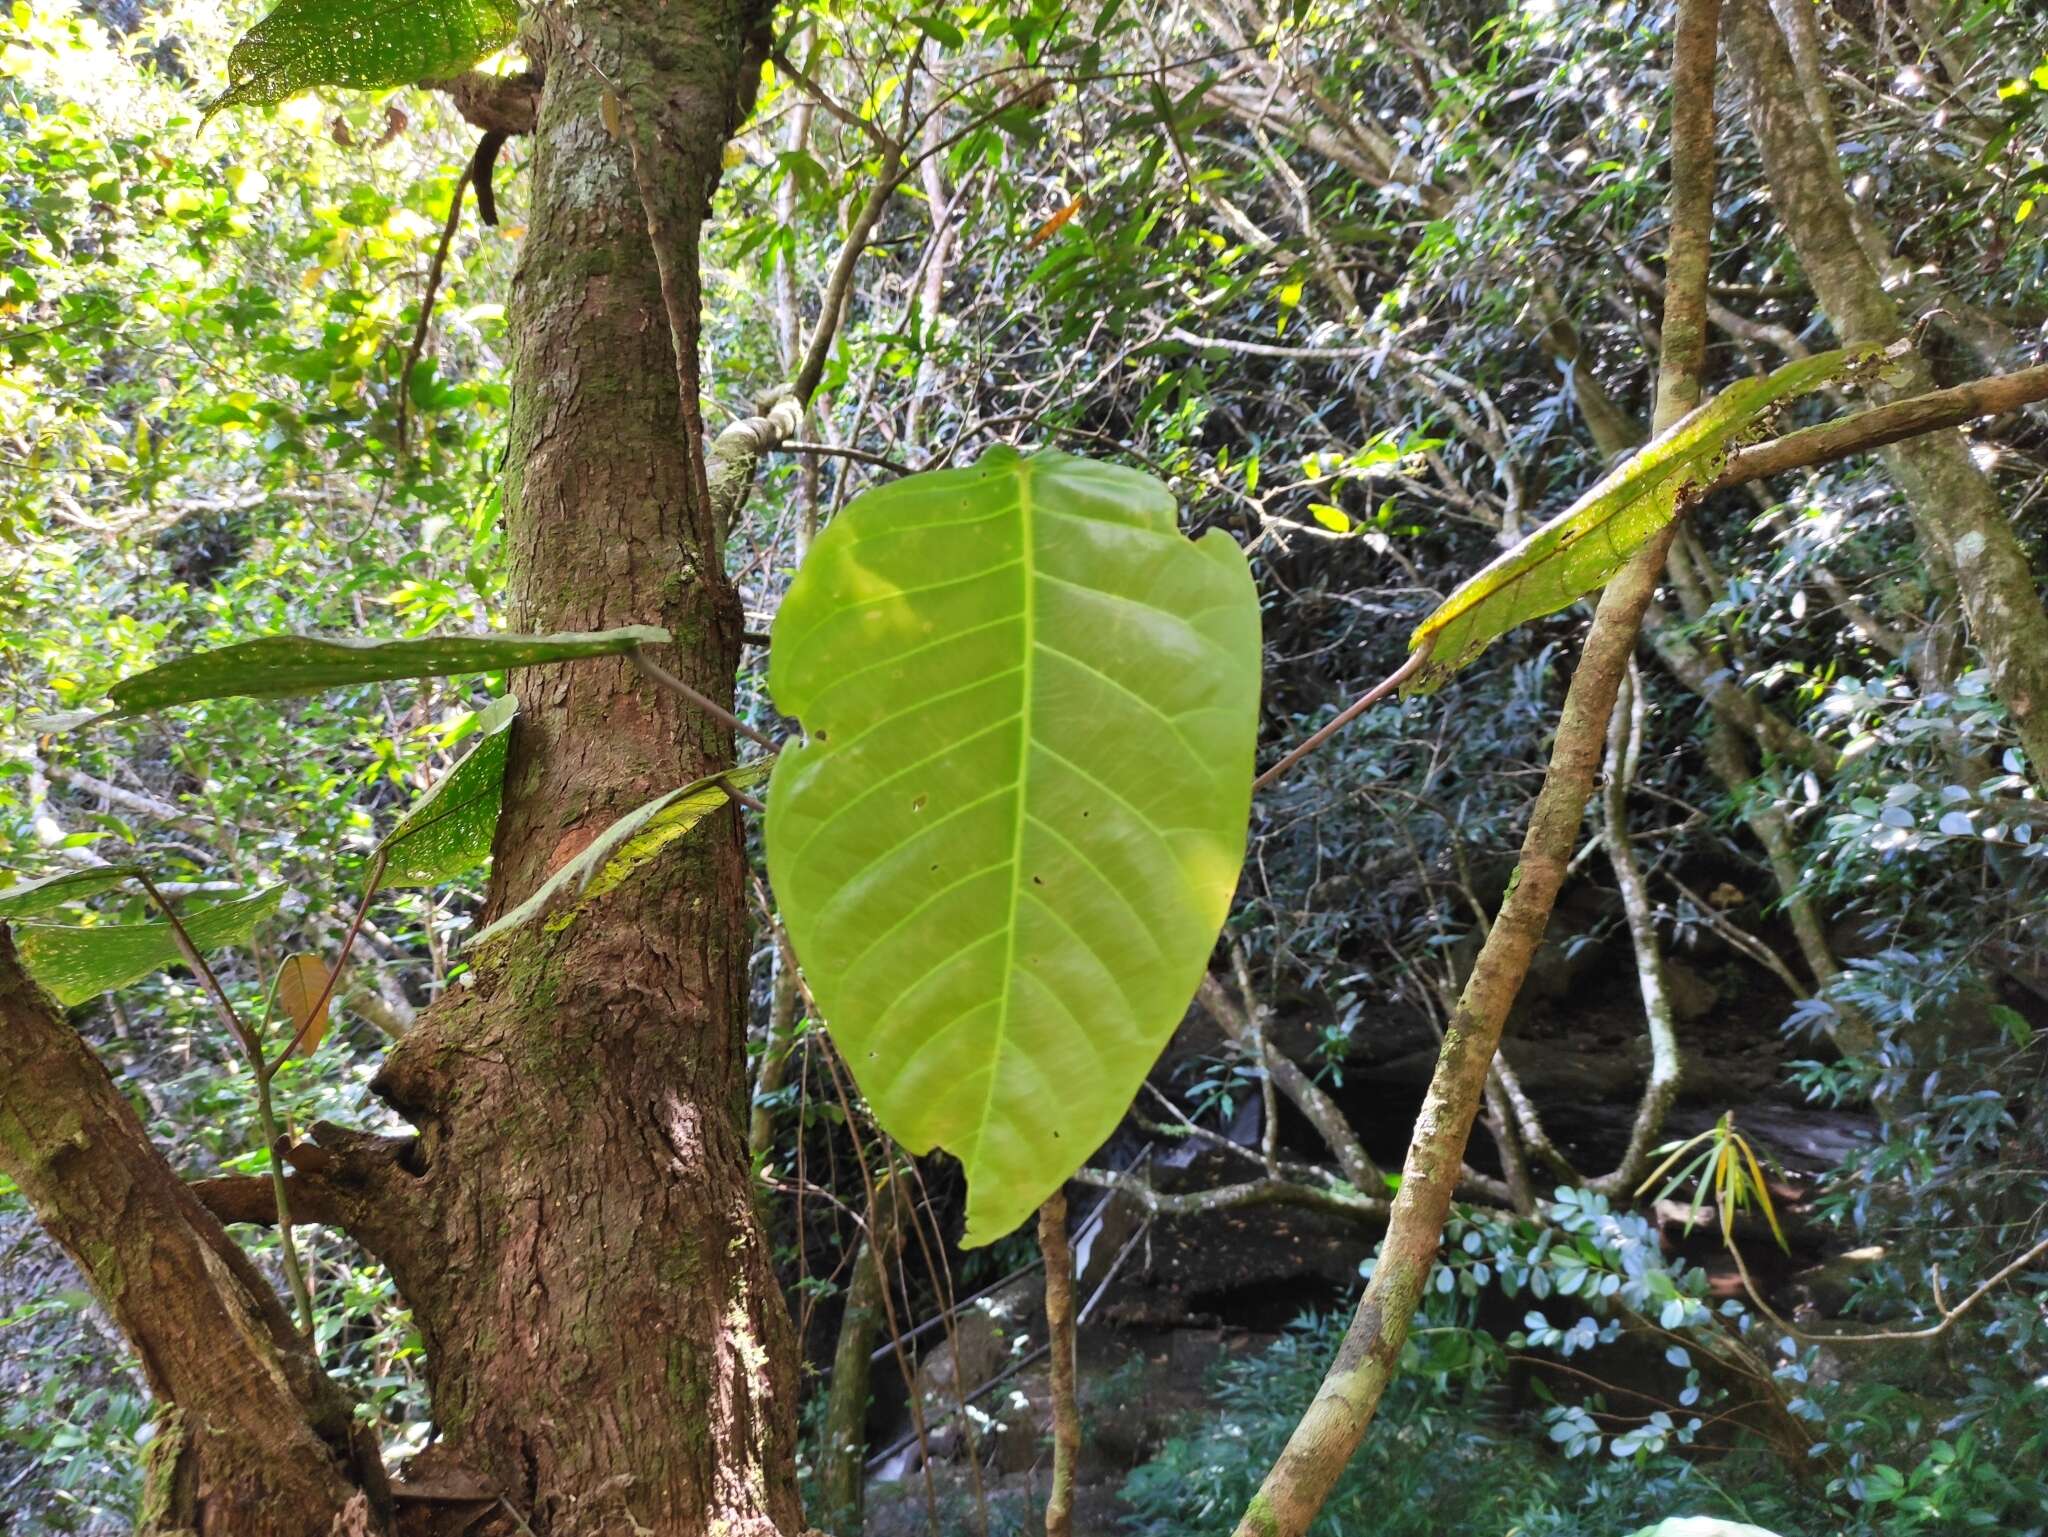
point(277, 665)
point(1004, 853)
point(1579, 549)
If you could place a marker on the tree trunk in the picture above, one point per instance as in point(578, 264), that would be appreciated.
point(1954, 506)
point(252, 1439)
point(575, 1231)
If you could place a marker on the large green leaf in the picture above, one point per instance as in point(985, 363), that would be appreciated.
point(77, 964)
point(626, 847)
point(1004, 853)
point(449, 829)
point(1583, 546)
point(364, 44)
point(53, 891)
point(306, 664)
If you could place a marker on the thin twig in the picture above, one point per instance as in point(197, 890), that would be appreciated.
point(266, 1114)
point(657, 674)
point(419, 330)
point(1932, 1331)
point(1350, 713)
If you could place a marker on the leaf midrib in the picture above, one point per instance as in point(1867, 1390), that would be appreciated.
point(1028, 564)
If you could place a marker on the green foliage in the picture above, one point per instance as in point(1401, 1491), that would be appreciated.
point(1728, 1169)
point(1005, 851)
point(278, 665)
point(362, 44)
point(1440, 1462)
point(448, 831)
point(78, 963)
point(31, 898)
point(1579, 549)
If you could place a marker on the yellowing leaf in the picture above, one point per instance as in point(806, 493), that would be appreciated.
point(626, 847)
point(1335, 519)
point(1579, 549)
point(303, 998)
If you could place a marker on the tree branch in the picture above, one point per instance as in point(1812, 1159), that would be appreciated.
point(494, 103)
point(247, 1415)
point(1883, 425)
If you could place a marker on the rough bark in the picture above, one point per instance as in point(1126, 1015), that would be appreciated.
point(253, 1440)
point(1954, 505)
point(575, 1228)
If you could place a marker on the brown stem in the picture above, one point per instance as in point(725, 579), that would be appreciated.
point(1882, 425)
point(266, 1111)
point(434, 271)
point(663, 678)
point(1059, 1330)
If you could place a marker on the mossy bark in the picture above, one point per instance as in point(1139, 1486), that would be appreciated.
point(575, 1228)
point(1968, 538)
point(253, 1440)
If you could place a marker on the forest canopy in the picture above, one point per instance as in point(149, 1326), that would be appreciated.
point(1231, 767)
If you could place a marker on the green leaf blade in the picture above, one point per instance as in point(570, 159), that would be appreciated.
point(31, 898)
point(1581, 548)
point(1006, 850)
point(275, 666)
point(77, 964)
point(448, 831)
point(362, 45)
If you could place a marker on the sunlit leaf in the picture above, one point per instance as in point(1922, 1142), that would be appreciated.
point(79, 963)
point(361, 44)
point(449, 829)
point(626, 847)
point(53, 891)
point(1582, 547)
point(1004, 853)
point(305, 664)
point(303, 999)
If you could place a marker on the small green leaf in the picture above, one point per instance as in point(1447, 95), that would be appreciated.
point(78, 964)
point(53, 891)
point(1335, 519)
point(449, 829)
point(939, 30)
point(1005, 850)
point(625, 847)
point(361, 44)
point(1583, 546)
point(306, 664)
